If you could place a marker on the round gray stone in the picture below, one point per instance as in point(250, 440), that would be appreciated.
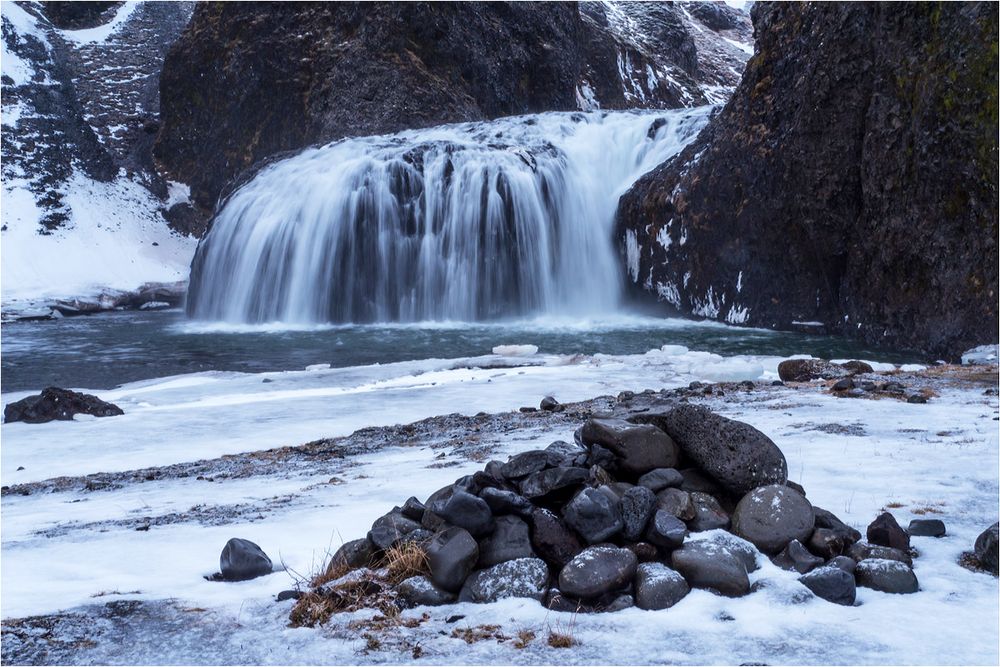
point(658, 587)
point(242, 559)
point(594, 514)
point(520, 578)
point(708, 513)
point(832, 584)
point(421, 591)
point(888, 576)
point(451, 555)
point(596, 571)
point(772, 516)
point(711, 565)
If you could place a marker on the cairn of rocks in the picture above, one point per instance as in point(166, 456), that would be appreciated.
point(636, 512)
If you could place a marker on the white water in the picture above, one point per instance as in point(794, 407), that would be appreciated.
point(465, 222)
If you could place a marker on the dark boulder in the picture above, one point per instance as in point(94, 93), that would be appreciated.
point(987, 548)
point(797, 558)
point(845, 563)
point(637, 506)
point(413, 509)
point(710, 565)
point(735, 454)
point(884, 531)
point(421, 591)
point(805, 370)
point(832, 584)
point(926, 528)
point(658, 587)
point(520, 578)
point(644, 551)
point(676, 502)
point(509, 541)
point(826, 543)
point(469, 512)
point(666, 531)
point(772, 516)
point(828, 520)
point(242, 559)
point(525, 463)
point(661, 478)
point(552, 481)
point(550, 404)
point(57, 404)
point(501, 501)
point(451, 555)
point(390, 529)
point(594, 514)
point(597, 570)
point(862, 551)
point(638, 448)
point(552, 540)
point(355, 554)
point(888, 576)
point(708, 513)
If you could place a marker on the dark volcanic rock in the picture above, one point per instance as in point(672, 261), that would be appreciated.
point(772, 516)
point(708, 513)
point(797, 558)
point(525, 463)
point(637, 506)
point(638, 448)
point(391, 529)
point(658, 587)
point(451, 556)
point(597, 570)
point(926, 528)
point(709, 564)
point(851, 180)
point(862, 550)
point(661, 478)
point(242, 559)
point(355, 554)
point(833, 584)
point(54, 403)
point(551, 539)
point(737, 455)
point(420, 590)
point(987, 548)
point(467, 511)
point(666, 531)
point(884, 531)
point(552, 481)
point(413, 509)
point(501, 501)
point(510, 540)
point(804, 370)
point(595, 514)
point(521, 578)
point(888, 576)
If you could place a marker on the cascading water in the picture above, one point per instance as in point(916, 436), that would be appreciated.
point(473, 221)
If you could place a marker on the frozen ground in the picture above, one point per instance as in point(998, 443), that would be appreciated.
point(143, 541)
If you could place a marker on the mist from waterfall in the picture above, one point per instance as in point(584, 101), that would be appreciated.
point(467, 222)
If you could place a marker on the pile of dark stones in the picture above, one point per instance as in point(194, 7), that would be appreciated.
point(637, 512)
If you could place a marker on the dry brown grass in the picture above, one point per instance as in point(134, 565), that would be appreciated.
point(561, 640)
point(479, 633)
point(404, 561)
point(927, 510)
point(893, 506)
point(524, 637)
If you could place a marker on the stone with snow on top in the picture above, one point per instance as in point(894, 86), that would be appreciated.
point(887, 576)
point(981, 355)
point(594, 514)
point(469, 512)
point(242, 559)
point(772, 516)
point(806, 370)
point(797, 558)
point(885, 531)
point(596, 571)
point(832, 584)
point(509, 541)
point(845, 563)
point(421, 591)
point(451, 555)
point(54, 403)
point(862, 551)
point(711, 565)
point(661, 478)
point(708, 513)
point(780, 590)
point(735, 454)
point(987, 549)
point(638, 448)
point(665, 530)
point(926, 528)
point(637, 506)
point(676, 502)
point(520, 578)
point(658, 587)
point(552, 539)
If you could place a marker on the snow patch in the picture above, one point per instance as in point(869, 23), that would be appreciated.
point(632, 254)
point(102, 32)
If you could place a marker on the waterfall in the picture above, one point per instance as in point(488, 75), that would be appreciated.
point(473, 221)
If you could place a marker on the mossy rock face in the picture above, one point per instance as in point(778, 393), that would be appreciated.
point(851, 180)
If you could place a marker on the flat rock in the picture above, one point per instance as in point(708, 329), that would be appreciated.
point(711, 565)
point(884, 531)
point(502, 501)
point(552, 539)
point(987, 550)
point(862, 551)
point(451, 555)
point(637, 506)
point(553, 480)
point(638, 448)
point(772, 516)
point(467, 511)
point(525, 463)
point(509, 541)
point(421, 591)
point(597, 570)
point(735, 454)
point(661, 478)
point(926, 528)
point(832, 584)
point(594, 514)
point(658, 587)
point(888, 576)
point(242, 559)
point(520, 578)
point(708, 513)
